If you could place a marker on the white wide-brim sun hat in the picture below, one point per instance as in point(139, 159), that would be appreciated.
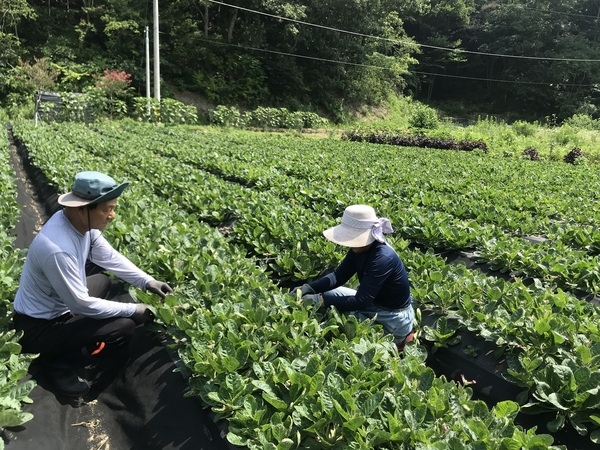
point(356, 229)
point(91, 188)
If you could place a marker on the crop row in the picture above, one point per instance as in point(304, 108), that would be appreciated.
point(567, 259)
point(13, 364)
point(414, 141)
point(282, 373)
point(279, 225)
point(536, 195)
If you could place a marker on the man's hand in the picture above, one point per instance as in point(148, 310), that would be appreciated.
point(159, 288)
point(142, 314)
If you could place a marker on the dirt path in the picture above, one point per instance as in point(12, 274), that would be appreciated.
point(32, 213)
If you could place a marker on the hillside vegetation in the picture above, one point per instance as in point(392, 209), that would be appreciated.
point(521, 59)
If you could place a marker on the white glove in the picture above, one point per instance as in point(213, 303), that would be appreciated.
point(304, 290)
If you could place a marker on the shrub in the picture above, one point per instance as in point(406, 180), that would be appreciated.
point(583, 121)
point(176, 112)
point(522, 128)
point(292, 120)
point(113, 82)
point(575, 156)
point(266, 118)
point(113, 85)
point(531, 153)
point(73, 107)
point(506, 137)
point(227, 116)
point(146, 109)
point(313, 120)
point(565, 135)
point(424, 117)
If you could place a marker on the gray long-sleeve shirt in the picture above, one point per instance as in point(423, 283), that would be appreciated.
point(53, 280)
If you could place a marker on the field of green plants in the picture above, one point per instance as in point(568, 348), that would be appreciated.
point(233, 219)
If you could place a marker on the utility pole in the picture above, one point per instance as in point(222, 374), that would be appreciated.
point(156, 54)
point(147, 45)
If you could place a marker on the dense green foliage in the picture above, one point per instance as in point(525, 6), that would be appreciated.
point(286, 375)
point(324, 56)
point(225, 308)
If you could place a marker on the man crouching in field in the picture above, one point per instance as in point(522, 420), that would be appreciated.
point(62, 312)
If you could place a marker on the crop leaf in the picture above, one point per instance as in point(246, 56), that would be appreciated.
point(506, 409)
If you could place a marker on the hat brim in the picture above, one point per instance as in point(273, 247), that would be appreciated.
point(349, 237)
point(71, 200)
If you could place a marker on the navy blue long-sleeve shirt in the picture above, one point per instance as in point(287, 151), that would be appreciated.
point(382, 276)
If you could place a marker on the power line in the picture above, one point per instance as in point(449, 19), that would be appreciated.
point(396, 41)
point(315, 58)
point(387, 68)
point(505, 81)
point(562, 13)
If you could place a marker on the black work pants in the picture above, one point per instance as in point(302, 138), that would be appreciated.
point(69, 335)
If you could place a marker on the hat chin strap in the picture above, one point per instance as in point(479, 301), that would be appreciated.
point(90, 232)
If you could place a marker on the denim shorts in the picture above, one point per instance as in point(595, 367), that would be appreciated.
point(398, 322)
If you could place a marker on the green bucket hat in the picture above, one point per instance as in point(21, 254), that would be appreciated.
point(91, 188)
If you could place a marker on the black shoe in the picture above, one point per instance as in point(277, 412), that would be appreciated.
point(67, 382)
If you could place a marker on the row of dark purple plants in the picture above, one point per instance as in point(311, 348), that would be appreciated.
point(573, 157)
point(414, 141)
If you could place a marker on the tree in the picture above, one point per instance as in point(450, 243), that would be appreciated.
point(9, 58)
point(231, 47)
point(12, 12)
point(114, 86)
point(39, 75)
point(543, 32)
point(437, 26)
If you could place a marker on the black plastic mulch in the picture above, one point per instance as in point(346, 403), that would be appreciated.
point(139, 405)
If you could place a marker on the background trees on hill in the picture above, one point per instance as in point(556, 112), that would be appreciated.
point(524, 57)
point(248, 58)
point(529, 57)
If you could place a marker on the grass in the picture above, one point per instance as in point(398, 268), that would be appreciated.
point(551, 141)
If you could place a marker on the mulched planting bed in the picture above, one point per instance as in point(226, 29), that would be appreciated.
point(479, 364)
point(483, 373)
point(143, 406)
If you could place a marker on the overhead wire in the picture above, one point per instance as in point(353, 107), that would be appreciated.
point(315, 58)
point(406, 42)
point(563, 13)
point(335, 61)
point(540, 83)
